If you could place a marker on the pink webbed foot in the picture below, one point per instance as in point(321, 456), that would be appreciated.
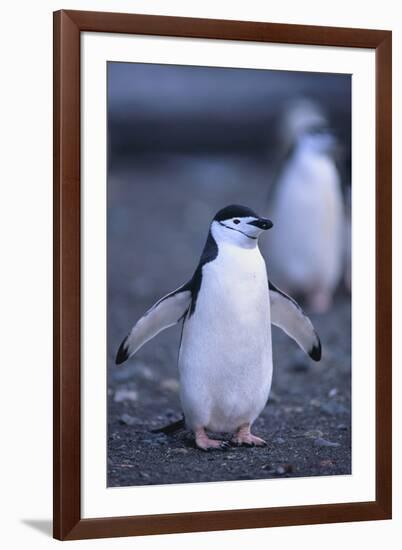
point(205, 443)
point(244, 436)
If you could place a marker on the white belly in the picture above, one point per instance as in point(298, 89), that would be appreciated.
point(305, 246)
point(225, 360)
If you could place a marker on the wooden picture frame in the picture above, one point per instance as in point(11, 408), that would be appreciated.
point(68, 26)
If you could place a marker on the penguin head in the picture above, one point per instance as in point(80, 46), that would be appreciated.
point(320, 140)
point(238, 225)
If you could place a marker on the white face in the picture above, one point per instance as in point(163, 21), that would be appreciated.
point(241, 231)
point(320, 142)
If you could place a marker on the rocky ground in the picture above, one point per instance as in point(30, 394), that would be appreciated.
point(306, 422)
point(156, 230)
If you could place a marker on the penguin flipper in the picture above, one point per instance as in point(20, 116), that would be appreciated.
point(288, 316)
point(168, 311)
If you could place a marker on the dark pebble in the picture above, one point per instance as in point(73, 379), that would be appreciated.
point(284, 469)
point(127, 419)
point(179, 451)
point(327, 464)
point(301, 367)
point(342, 427)
point(333, 408)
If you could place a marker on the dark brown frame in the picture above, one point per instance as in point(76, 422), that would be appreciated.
point(68, 26)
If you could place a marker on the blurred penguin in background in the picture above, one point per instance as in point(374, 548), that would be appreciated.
point(297, 117)
point(306, 250)
point(348, 240)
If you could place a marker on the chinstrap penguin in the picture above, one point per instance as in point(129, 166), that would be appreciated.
point(306, 248)
point(298, 117)
point(226, 310)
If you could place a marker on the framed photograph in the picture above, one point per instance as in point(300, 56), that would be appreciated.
point(229, 181)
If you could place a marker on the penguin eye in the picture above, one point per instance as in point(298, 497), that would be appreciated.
point(236, 221)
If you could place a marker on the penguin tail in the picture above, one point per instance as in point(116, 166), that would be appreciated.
point(171, 428)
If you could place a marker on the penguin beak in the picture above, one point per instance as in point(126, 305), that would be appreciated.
point(262, 223)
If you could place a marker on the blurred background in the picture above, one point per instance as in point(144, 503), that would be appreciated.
point(182, 143)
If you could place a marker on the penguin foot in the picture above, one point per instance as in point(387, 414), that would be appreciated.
point(205, 443)
point(212, 444)
point(249, 441)
point(245, 437)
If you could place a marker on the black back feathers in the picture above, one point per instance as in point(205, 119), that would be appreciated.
point(209, 254)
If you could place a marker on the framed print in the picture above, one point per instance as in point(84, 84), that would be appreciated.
point(231, 180)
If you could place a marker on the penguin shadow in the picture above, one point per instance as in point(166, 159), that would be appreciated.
point(176, 435)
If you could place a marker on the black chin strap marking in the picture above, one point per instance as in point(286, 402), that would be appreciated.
point(238, 231)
